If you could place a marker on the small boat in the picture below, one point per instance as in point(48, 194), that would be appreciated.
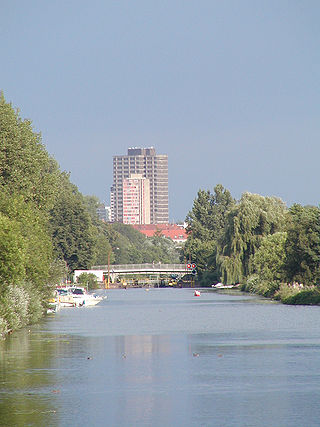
point(197, 293)
point(222, 286)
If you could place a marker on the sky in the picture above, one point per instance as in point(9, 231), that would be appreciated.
point(229, 90)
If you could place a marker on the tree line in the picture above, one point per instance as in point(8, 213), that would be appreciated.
point(257, 242)
point(48, 228)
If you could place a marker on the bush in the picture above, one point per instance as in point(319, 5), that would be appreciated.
point(14, 307)
point(285, 291)
point(19, 306)
point(261, 287)
point(304, 297)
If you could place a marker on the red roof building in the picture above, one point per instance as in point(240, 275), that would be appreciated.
point(173, 231)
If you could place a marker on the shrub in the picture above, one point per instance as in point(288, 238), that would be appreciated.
point(304, 297)
point(286, 291)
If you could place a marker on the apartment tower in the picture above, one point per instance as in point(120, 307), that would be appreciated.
point(136, 200)
point(146, 163)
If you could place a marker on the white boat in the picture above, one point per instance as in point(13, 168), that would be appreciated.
point(197, 293)
point(222, 286)
point(83, 298)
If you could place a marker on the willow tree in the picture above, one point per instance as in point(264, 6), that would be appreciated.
point(248, 222)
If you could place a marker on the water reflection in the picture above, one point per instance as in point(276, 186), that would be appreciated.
point(24, 379)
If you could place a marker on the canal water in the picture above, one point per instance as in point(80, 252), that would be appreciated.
point(164, 357)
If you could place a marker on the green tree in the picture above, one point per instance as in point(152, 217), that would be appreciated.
point(12, 252)
point(32, 231)
point(303, 244)
point(205, 225)
point(270, 258)
point(88, 280)
point(253, 218)
point(25, 166)
point(72, 231)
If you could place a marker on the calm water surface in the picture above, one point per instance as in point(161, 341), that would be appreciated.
point(165, 358)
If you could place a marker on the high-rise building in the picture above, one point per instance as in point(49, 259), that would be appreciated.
point(148, 164)
point(136, 200)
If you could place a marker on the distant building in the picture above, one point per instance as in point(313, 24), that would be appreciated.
point(173, 231)
point(148, 164)
point(136, 200)
point(104, 213)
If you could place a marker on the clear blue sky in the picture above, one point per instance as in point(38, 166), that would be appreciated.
point(228, 89)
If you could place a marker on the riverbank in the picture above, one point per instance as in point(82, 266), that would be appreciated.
point(286, 293)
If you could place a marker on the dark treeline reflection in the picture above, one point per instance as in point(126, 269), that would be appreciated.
point(27, 379)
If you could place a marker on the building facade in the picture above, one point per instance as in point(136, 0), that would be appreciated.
point(148, 164)
point(136, 200)
point(104, 213)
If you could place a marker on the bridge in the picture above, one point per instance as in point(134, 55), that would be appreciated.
point(153, 271)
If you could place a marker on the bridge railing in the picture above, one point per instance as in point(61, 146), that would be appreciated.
point(141, 267)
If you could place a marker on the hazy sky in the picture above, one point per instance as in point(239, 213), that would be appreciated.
point(228, 89)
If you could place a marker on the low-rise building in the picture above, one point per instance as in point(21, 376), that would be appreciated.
point(175, 232)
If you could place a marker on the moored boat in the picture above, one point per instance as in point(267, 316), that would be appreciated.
point(84, 298)
point(222, 286)
point(66, 298)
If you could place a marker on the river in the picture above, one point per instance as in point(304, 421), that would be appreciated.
point(164, 357)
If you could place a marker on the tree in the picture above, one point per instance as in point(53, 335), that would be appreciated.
point(303, 244)
point(32, 230)
point(25, 166)
point(72, 231)
point(269, 259)
point(88, 280)
point(253, 218)
point(12, 252)
point(206, 222)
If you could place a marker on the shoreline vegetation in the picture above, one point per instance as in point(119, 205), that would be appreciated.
point(286, 293)
point(48, 229)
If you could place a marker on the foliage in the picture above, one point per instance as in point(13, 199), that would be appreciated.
point(205, 225)
point(88, 280)
point(92, 203)
point(253, 218)
point(254, 284)
point(58, 272)
point(208, 278)
point(269, 259)
point(303, 244)
point(286, 291)
point(12, 252)
point(72, 231)
point(25, 166)
point(129, 246)
point(304, 297)
point(19, 306)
